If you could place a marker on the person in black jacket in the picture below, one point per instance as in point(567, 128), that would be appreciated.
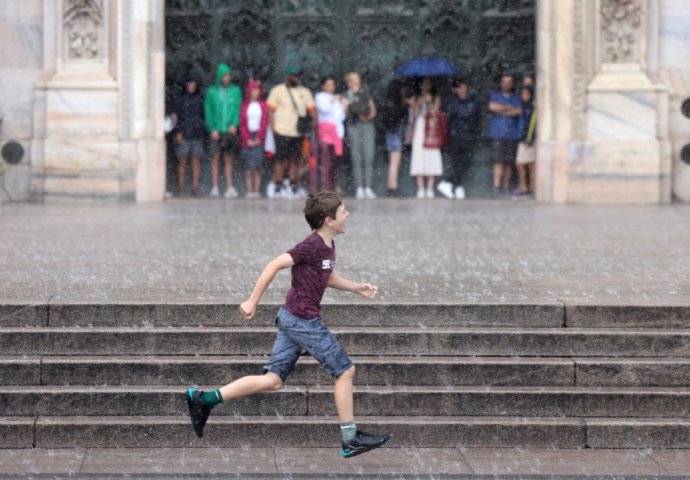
point(188, 113)
point(464, 121)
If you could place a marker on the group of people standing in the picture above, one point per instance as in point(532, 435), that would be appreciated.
point(305, 136)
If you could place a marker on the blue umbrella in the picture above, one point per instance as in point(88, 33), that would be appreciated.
point(427, 67)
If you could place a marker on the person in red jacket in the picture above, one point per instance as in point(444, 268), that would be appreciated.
point(253, 125)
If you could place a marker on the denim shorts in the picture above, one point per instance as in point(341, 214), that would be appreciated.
point(394, 139)
point(296, 335)
point(193, 147)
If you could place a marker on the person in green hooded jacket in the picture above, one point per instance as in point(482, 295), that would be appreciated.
point(222, 116)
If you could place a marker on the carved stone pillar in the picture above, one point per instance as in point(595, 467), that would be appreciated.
point(96, 109)
point(604, 115)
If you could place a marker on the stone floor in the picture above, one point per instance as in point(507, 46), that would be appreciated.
point(433, 251)
point(296, 463)
point(415, 250)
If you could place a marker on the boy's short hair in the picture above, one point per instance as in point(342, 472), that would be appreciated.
point(320, 205)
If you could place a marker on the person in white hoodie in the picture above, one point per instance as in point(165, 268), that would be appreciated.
point(330, 114)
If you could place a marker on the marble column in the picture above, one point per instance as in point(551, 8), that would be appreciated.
point(21, 64)
point(674, 72)
point(143, 105)
point(603, 113)
point(98, 110)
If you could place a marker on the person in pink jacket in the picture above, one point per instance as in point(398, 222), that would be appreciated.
point(253, 125)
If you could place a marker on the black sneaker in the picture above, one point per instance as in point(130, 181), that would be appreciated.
point(362, 443)
point(197, 411)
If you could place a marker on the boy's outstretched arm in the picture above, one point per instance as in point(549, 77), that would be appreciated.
point(340, 283)
point(248, 308)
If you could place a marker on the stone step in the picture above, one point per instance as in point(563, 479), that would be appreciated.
point(312, 432)
point(485, 341)
point(390, 370)
point(547, 314)
point(216, 370)
point(634, 402)
point(528, 314)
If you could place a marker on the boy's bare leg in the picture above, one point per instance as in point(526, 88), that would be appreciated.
point(215, 165)
point(251, 384)
point(522, 177)
point(196, 174)
point(393, 167)
point(181, 167)
point(343, 395)
point(229, 161)
point(507, 173)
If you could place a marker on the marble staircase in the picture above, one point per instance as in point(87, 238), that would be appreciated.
point(494, 375)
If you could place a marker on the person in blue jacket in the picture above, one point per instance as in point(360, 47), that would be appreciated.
point(505, 106)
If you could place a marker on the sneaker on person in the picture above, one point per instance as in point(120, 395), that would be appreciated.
point(231, 193)
point(214, 193)
point(421, 193)
point(369, 193)
point(360, 193)
point(300, 193)
point(460, 193)
point(198, 412)
point(362, 443)
point(430, 193)
point(270, 190)
point(446, 189)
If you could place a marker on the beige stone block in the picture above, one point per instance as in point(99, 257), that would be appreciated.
point(108, 185)
point(616, 191)
point(16, 102)
point(81, 112)
point(17, 182)
point(77, 155)
point(21, 31)
point(621, 159)
point(150, 171)
point(681, 175)
point(623, 115)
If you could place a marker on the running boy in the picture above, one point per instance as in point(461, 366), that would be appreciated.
point(300, 327)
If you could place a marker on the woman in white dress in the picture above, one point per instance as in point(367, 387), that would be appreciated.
point(426, 163)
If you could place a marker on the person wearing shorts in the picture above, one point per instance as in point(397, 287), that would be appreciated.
point(505, 107)
point(287, 102)
point(188, 113)
point(394, 122)
point(222, 115)
point(253, 127)
point(300, 327)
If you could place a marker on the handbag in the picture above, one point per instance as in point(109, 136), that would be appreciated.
point(435, 130)
point(303, 121)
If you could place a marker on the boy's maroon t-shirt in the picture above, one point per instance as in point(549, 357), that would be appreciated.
point(314, 263)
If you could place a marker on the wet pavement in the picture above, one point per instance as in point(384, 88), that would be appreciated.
point(416, 251)
point(296, 463)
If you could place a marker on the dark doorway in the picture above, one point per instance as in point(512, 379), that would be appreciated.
point(328, 37)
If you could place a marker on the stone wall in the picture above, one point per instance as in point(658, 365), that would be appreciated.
point(604, 135)
point(82, 85)
point(21, 65)
point(674, 73)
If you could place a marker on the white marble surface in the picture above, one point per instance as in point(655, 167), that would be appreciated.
point(82, 113)
point(622, 115)
point(674, 33)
